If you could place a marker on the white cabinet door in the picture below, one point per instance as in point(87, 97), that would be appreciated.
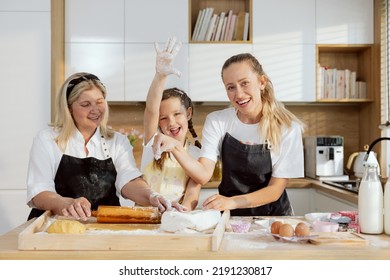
point(94, 21)
point(284, 22)
point(206, 62)
point(323, 202)
point(140, 65)
point(300, 199)
point(291, 69)
point(345, 22)
point(102, 60)
point(148, 21)
point(204, 194)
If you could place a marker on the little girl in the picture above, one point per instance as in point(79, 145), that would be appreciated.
point(169, 112)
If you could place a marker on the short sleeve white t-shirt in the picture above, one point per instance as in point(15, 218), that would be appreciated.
point(288, 163)
point(45, 157)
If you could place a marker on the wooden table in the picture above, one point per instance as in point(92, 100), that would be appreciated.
point(234, 246)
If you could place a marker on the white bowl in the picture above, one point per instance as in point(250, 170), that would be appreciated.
point(320, 226)
point(312, 217)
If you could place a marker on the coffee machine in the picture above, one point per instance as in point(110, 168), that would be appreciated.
point(324, 157)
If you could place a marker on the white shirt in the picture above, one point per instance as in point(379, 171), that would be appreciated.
point(45, 157)
point(288, 163)
point(172, 180)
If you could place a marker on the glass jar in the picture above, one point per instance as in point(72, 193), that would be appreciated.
point(370, 201)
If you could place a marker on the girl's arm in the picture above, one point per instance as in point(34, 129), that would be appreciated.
point(199, 170)
point(191, 196)
point(164, 68)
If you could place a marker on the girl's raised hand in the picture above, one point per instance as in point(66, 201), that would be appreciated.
point(165, 57)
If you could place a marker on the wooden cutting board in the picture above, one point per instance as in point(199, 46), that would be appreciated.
point(100, 226)
point(339, 238)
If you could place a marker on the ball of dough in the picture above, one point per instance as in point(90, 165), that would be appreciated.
point(199, 220)
point(66, 226)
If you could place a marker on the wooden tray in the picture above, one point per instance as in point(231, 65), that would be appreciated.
point(339, 238)
point(139, 237)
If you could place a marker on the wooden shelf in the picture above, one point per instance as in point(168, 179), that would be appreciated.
point(357, 58)
point(219, 6)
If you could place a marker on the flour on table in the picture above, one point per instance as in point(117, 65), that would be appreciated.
point(199, 220)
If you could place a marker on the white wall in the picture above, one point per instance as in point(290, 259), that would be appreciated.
point(25, 97)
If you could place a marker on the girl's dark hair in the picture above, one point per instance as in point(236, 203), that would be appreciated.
point(186, 101)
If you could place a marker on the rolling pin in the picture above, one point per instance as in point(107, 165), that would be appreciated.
point(124, 214)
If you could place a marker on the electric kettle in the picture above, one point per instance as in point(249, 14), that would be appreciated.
point(358, 159)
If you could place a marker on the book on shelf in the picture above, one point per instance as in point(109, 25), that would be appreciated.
point(239, 34)
point(231, 28)
point(205, 24)
point(197, 25)
point(245, 35)
point(338, 84)
point(219, 27)
point(210, 28)
point(228, 21)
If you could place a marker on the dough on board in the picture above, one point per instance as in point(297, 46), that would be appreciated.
point(199, 220)
point(66, 226)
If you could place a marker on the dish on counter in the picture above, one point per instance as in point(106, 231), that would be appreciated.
point(312, 217)
point(294, 239)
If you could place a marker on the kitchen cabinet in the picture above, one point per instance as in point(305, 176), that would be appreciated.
point(284, 22)
point(345, 22)
point(324, 202)
point(25, 82)
point(300, 200)
point(140, 62)
point(206, 60)
point(149, 21)
point(355, 58)
point(216, 7)
point(291, 68)
point(103, 60)
point(118, 48)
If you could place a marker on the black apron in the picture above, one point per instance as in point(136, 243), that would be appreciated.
point(89, 177)
point(245, 169)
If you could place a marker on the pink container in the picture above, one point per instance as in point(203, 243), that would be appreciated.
point(240, 226)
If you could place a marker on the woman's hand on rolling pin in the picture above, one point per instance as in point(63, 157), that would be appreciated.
point(163, 143)
point(165, 57)
point(79, 208)
point(163, 204)
point(219, 202)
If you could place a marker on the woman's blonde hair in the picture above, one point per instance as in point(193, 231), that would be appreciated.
point(274, 114)
point(69, 93)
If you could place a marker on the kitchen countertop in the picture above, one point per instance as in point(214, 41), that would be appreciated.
point(253, 245)
point(233, 246)
point(309, 183)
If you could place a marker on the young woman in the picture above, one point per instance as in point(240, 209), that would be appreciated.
point(169, 112)
point(258, 140)
point(79, 163)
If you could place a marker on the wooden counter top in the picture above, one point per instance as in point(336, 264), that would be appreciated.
point(233, 246)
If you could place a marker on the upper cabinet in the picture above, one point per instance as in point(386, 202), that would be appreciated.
point(114, 40)
point(149, 21)
point(345, 22)
point(284, 22)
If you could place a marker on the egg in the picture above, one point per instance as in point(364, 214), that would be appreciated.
point(275, 226)
point(302, 229)
point(286, 230)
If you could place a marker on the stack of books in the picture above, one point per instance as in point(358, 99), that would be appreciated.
point(339, 84)
point(225, 26)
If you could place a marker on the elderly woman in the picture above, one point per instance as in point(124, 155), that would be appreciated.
point(78, 163)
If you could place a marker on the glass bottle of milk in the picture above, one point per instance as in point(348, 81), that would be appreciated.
point(386, 206)
point(370, 201)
